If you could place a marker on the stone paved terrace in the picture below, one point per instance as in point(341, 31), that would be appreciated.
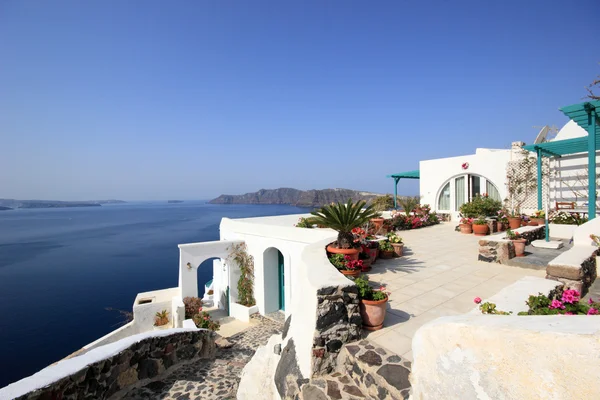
point(214, 380)
point(439, 275)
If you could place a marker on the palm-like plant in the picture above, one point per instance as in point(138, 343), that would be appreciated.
point(343, 218)
point(409, 204)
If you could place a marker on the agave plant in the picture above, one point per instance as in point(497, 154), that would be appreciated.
point(343, 218)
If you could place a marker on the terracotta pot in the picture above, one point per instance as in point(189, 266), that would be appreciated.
point(514, 222)
point(480, 230)
point(501, 227)
point(353, 253)
point(377, 223)
point(532, 223)
point(354, 274)
point(373, 313)
point(519, 247)
point(540, 221)
point(366, 265)
point(373, 253)
point(386, 254)
point(466, 228)
point(398, 248)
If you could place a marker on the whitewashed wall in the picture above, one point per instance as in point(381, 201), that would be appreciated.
point(488, 163)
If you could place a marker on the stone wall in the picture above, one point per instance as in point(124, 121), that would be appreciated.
point(498, 249)
point(338, 322)
point(138, 363)
point(579, 272)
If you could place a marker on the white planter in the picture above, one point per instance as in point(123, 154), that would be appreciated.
point(241, 312)
point(561, 231)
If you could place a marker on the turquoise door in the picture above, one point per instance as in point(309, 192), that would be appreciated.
point(281, 282)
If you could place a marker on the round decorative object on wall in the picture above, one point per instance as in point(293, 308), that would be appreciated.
point(465, 165)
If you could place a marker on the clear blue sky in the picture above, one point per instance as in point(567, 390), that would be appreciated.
point(158, 100)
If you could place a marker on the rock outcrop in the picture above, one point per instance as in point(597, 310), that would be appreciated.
point(295, 197)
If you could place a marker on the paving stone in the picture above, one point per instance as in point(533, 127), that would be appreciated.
point(370, 357)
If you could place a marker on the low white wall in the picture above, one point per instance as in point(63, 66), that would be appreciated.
point(560, 231)
point(241, 312)
point(506, 357)
point(111, 337)
point(581, 235)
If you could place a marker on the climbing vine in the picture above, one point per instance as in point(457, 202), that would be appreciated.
point(245, 285)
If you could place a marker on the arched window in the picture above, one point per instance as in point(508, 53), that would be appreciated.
point(444, 199)
point(462, 188)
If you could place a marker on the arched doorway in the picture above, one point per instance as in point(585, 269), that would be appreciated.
point(274, 278)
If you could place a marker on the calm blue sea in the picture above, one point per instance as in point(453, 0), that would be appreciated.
point(61, 268)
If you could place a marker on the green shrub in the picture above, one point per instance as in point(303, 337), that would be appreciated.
point(366, 292)
point(481, 206)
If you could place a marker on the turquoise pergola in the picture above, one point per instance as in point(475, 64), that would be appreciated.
point(406, 175)
point(586, 115)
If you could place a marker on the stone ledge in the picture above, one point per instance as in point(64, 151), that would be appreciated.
point(575, 268)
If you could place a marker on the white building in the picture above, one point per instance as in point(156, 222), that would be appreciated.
point(447, 183)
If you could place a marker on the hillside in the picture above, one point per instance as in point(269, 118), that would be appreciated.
point(295, 197)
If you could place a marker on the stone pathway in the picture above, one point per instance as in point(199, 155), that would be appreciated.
point(215, 379)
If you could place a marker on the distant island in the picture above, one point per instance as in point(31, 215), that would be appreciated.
point(295, 197)
point(9, 204)
point(174, 201)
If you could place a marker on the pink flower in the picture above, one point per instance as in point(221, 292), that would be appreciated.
point(200, 309)
point(477, 300)
point(556, 304)
point(569, 313)
point(590, 301)
point(592, 311)
point(570, 296)
point(382, 288)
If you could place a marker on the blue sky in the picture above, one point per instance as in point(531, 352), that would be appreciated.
point(148, 100)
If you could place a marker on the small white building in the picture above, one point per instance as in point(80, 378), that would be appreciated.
point(447, 183)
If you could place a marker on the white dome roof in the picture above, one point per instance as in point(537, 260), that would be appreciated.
point(569, 131)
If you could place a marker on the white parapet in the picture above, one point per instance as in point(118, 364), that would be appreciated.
point(507, 357)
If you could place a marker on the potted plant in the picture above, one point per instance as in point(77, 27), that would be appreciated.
point(396, 242)
point(161, 320)
point(372, 304)
point(377, 222)
point(466, 225)
point(386, 250)
point(514, 220)
point(502, 220)
point(203, 321)
point(372, 246)
point(343, 218)
point(366, 261)
point(480, 227)
point(538, 217)
point(518, 242)
point(346, 265)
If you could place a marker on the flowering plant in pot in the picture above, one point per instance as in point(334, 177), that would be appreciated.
point(502, 220)
point(161, 320)
point(366, 261)
point(343, 218)
point(373, 304)
point(514, 220)
point(396, 242)
point(346, 264)
point(538, 217)
point(373, 249)
point(203, 320)
point(386, 250)
point(480, 227)
point(466, 225)
point(518, 242)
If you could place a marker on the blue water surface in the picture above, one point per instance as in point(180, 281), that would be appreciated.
point(61, 268)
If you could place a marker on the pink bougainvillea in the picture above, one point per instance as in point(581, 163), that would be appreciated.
point(570, 296)
point(556, 304)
